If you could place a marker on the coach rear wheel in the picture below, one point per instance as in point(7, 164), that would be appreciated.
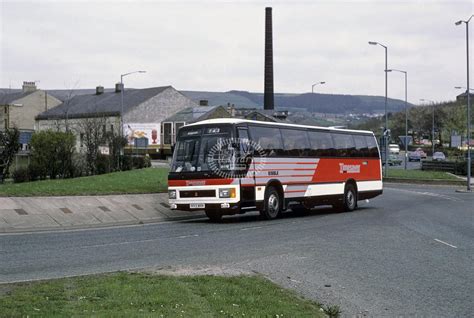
point(350, 198)
point(349, 201)
point(272, 204)
point(214, 215)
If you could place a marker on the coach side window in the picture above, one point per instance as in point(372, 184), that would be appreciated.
point(345, 145)
point(361, 146)
point(372, 145)
point(321, 144)
point(295, 142)
point(268, 138)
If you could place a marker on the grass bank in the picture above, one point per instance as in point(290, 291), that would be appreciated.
point(138, 294)
point(147, 180)
point(420, 174)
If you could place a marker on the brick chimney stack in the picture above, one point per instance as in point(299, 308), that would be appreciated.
point(268, 89)
point(29, 87)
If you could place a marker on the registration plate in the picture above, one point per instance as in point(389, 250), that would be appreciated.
point(197, 205)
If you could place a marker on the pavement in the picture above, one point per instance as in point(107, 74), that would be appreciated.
point(408, 252)
point(22, 214)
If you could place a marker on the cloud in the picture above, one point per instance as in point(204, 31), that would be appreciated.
point(212, 45)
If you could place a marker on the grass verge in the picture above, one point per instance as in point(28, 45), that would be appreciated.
point(139, 294)
point(149, 180)
point(420, 174)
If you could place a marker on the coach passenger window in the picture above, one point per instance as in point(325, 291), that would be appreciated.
point(296, 143)
point(321, 144)
point(268, 138)
point(344, 143)
point(372, 145)
point(361, 146)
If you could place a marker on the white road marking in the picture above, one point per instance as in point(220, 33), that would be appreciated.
point(186, 236)
point(134, 242)
point(437, 195)
point(442, 242)
point(251, 228)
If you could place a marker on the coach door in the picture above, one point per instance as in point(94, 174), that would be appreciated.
point(247, 179)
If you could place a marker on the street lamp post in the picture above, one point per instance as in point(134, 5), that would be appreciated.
point(432, 125)
point(121, 101)
point(406, 114)
point(386, 138)
point(468, 104)
point(312, 93)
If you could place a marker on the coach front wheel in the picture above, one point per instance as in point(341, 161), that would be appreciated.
point(272, 204)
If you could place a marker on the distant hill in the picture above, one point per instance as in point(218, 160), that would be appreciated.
point(319, 103)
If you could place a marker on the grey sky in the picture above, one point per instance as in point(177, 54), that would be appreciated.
point(218, 46)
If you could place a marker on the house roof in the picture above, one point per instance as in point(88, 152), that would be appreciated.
point(9, 98)
point(192, 114)
point(105, 104)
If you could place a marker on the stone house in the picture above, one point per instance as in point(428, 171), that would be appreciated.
point(19, 109)
point(137, 113)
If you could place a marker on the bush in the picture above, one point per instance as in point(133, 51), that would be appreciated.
point(36, 172)
point(138, 162)
point(147, 162)
point(21, 175)
point(52, 152)
point(126, 163)
point(103, 164)
point(79, 166)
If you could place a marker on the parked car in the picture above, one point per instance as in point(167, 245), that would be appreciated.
point(421, 152)
point(394, 148)
point(414, 156)
point(439, 156)
point(393, 160)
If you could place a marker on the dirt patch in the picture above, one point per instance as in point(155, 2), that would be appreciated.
point(197, 271)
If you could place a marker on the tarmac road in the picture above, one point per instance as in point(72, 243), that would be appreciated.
point(408, 252)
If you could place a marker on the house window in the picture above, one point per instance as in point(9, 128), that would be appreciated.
point(104, 129)
point(81, 139)
point(112, 128)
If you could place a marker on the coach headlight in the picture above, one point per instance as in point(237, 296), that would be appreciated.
point(227, 193)
point(172, 194)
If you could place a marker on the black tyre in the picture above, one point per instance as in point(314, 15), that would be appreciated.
point(272, 204)
point(214, 215)
point(350, 198)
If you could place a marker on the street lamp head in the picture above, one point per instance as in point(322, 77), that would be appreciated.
point(322, 82)
point(459, 22)
point(388, 70)
point(373, 43)
point(141, 71)
point(457, 87)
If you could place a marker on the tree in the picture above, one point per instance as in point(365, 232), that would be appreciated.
point(93, 135)
point(9, 146)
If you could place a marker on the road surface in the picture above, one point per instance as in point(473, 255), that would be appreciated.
point(408, 252)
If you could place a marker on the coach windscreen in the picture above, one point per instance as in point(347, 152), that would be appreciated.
point(204, 149)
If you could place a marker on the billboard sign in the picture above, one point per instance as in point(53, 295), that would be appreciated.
point(151, 132)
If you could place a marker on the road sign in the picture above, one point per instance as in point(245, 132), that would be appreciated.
point(405, 139)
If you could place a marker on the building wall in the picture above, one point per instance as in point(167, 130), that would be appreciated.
point(158, 108)
point(3, 117)
point(24, 110)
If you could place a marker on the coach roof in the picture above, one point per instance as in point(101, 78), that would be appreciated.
point(241, 121)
